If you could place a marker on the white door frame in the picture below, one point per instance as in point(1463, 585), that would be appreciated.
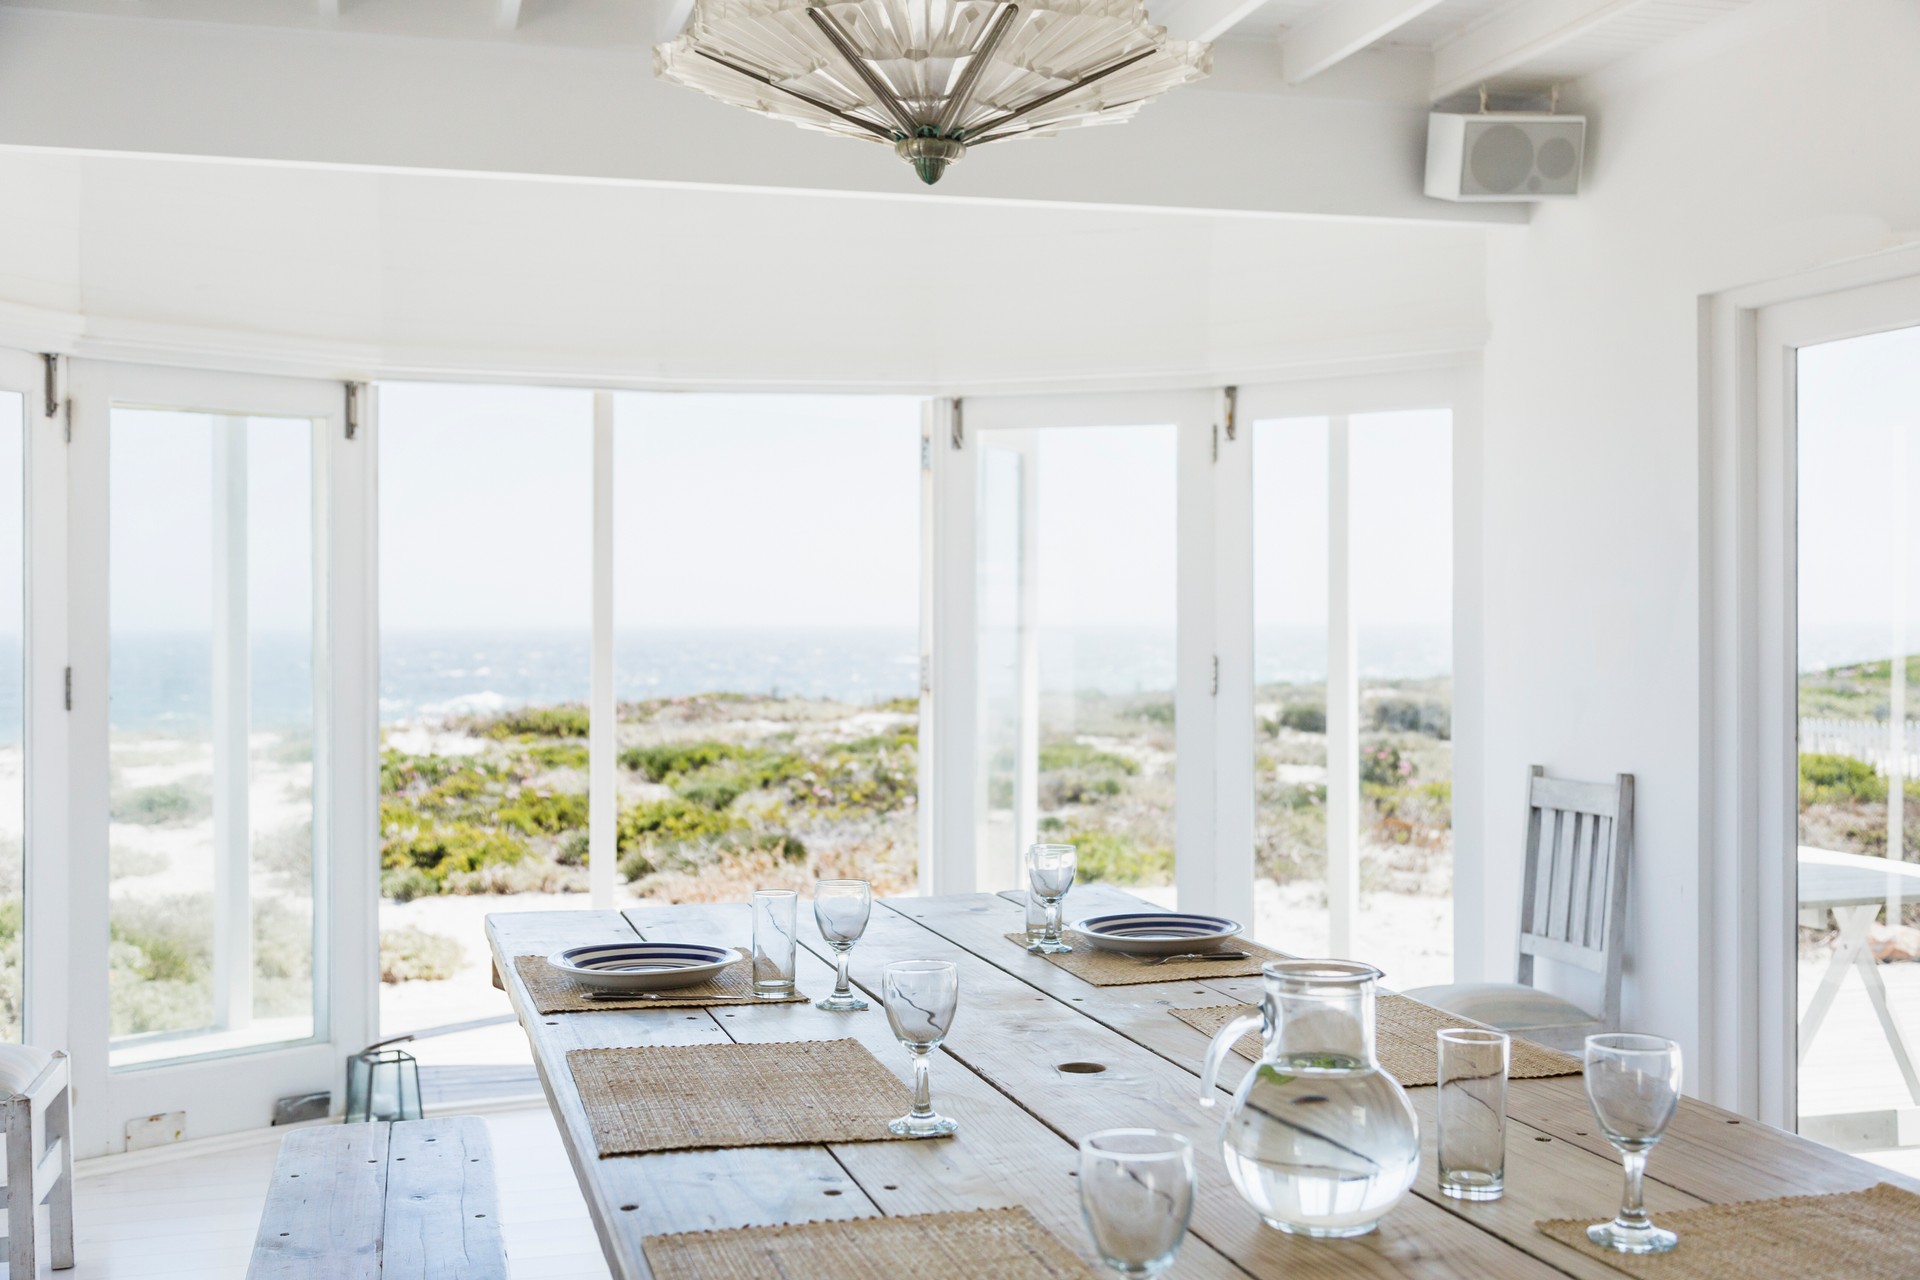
point(234, 1091)
point(1750, 771)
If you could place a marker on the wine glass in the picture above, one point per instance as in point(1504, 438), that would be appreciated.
point(841, 909)
point(1050, 869)
point(920, 996)
point(1136, 1190)
point(1633, 1085)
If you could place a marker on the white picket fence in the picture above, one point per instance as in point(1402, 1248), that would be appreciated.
point(1863, 740)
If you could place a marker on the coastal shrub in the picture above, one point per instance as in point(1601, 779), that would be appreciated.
point(1412, 715)
point(1116, 857)
point(1077, 788)
point(286, 851)
point(169, 804)
point(413, 954)
point(665, 761)
point(401, 771)
point(1078, 755)
point(670, 821)
point(1837, 779)
point(160, 963)
point(404, 884)
point(439, 850)
point(711, 793)
point(1304, 717)
point(1155, 713)
point(568, 720)
point(1385, 766)
point(545, 813)
point(558, 755)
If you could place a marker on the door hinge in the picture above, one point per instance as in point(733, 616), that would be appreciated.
point(1216, 442)
point(69, 688)
point(926, 673)
point(926, 453)
point(66, 426)
point(52, 363)
point(356, 392)
point(1233, 410)
point(959, 433)
point(1216, 675)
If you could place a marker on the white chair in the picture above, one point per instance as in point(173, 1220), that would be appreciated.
point(1572, 911)
point(34, 1087)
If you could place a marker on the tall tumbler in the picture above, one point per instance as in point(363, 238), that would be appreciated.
point(1473, 1112)
point(773, 942)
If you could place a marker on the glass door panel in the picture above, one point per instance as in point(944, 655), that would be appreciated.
point(13, 699)
point(1076, 649)
point(766, 646)
point(1858, 439)
point(212, 613)
point(485, 621)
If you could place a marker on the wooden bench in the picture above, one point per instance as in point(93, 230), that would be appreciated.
point(405, 1200)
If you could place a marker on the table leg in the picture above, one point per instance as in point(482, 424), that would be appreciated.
point(1889, 1022)
point(1854, 923)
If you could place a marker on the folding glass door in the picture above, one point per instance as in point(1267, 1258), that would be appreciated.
point(1072, 672)
point(215, 733)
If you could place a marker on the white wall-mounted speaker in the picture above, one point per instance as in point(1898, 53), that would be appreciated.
point(1504, 156)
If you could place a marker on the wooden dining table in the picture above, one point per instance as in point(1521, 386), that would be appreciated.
point(1036, 1060)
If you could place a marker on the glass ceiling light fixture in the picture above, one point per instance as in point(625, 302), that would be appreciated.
point(931, 78)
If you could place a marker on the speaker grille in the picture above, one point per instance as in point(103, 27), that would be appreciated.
point(1523, 158)
point(1502, 158)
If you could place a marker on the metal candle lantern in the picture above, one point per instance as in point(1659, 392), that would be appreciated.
point(383, 1083)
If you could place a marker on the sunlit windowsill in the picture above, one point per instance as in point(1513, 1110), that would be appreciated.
point(266, 1033)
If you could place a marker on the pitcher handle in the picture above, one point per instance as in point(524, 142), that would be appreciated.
point(1223, 1042)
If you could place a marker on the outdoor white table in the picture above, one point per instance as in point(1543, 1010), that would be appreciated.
point(1038, 1059)
point(1855, 888)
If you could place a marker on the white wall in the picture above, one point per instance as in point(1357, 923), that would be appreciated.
point(1788, 138)
point(343, 271)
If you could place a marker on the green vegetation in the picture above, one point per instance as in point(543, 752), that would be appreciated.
point(1304, 717)
point(1117, 857)
point(565, 721)
point(412, 954)
point(169, 804)
point(1830, 779)
point(1075, 755)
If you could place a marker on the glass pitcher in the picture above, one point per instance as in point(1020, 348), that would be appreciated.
point(1318, 1138)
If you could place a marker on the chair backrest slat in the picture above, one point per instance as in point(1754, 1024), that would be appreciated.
point(1579, 837)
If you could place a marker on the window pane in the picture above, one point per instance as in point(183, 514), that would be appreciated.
point(13, 700)
point(211, 733)
point(1290, 683)
point(1859, 589)
point(1399, 597)
point(1403, 616)
point(767, 602)
point(485, 616)
point(1076, 650)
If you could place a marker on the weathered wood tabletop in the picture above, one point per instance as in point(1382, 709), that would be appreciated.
point(1000, 1074)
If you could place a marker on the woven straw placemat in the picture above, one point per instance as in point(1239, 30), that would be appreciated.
point(1005, 1244)
point(1117, 969)
point(688, 1097)
point(1403, 1040)
point(1861, 1235)
point(555, 991)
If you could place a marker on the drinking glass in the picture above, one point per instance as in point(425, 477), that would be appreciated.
point(1473, 1112)
point(920, 996)
point(1136, 1189)
point(1633, 1085)
point(773, 942)
point(1050, 870)
point(841, 909)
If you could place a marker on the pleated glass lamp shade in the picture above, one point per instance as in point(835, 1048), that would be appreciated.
point(931, 78)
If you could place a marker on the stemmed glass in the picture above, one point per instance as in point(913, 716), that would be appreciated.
point(841, 909)
point(920, 996)
point(1633, 1085)
point(1050, 869)
point(1136, 1190)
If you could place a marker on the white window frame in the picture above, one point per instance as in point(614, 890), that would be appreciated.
point(1750, 771)
point(221, 1092)
point(1484, 932)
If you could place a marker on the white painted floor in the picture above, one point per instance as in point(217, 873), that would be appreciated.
point(195, 1214)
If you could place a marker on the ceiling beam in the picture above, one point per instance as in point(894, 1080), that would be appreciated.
point(1514, 38)
point(1203, 20)
point(506, 14)
point(673, 16)
point(1340, 29)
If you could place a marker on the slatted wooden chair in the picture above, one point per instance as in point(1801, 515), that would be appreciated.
point(1572, 911)
point(35, 1089)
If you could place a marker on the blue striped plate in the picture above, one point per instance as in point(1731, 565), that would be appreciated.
point(1156, 933)
point(642, 966)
